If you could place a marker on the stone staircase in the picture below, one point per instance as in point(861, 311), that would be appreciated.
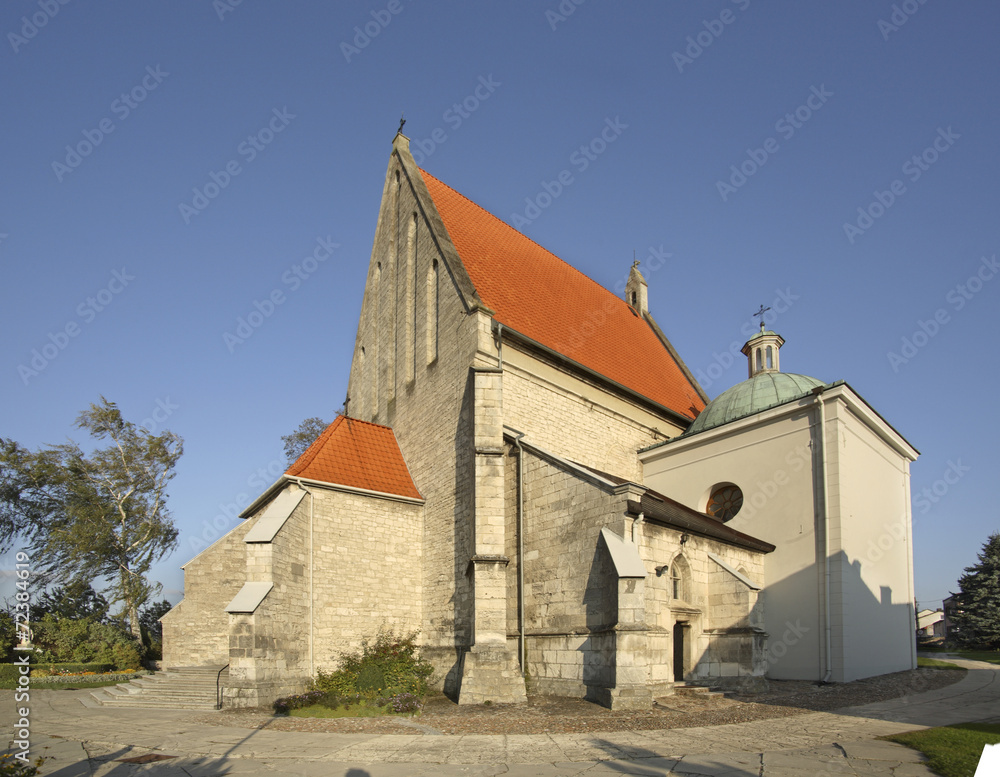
point(181, 688)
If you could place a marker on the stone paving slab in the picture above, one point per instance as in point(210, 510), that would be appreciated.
point(812, 743)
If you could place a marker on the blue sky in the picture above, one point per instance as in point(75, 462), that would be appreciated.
point(168, 167)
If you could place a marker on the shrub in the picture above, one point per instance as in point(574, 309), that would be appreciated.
point(63, 639)
point(15, 767)
point(12, 671)
point(384, 667)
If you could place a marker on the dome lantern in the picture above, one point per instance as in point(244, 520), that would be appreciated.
point(761, 351)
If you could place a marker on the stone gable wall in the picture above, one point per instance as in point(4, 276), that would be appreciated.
point(196, 630)
point(432, 414)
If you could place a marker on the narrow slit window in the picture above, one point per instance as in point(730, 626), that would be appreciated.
point(432, 312)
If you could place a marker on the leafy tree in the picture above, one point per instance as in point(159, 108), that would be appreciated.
point(76, 599)
point(150, 616)
point(977, 607)
point(101, 515)
point(298, 441)
point(8, 636)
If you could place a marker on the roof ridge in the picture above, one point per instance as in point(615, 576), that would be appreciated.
point(493, 216)
point(313, 450)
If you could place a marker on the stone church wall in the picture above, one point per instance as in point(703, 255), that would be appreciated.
point(366, 577)
point(268, 649)
point(368, 573)
point(196, 630)
point(415, 346)
point(715, 606)
point(575, 420)
point(570, 584)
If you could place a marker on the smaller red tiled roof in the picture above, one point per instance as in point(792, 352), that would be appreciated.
point(358, 454)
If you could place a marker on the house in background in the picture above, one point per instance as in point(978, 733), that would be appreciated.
point(530, 476)
point(930, 623)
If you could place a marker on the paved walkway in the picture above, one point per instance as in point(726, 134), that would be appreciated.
point(87, 742)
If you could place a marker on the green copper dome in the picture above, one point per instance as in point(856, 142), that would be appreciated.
point(763, 390)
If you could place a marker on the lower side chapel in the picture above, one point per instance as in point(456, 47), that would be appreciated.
point(529, 476)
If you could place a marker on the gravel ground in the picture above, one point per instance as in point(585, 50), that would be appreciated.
point(561, 715)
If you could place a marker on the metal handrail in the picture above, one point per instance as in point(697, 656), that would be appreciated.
point(218, 687)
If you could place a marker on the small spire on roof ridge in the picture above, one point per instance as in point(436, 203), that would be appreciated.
point(402, 121)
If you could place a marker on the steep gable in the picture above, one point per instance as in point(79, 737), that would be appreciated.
point(538, 295)
point(357, 454)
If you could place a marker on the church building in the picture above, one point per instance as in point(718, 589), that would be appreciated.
point(529, 476)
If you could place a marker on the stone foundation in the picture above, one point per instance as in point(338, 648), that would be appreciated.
point(491, 674)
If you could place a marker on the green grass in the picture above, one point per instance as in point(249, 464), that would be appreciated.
point(354, 711)
point(933, 663)
point(991, 656)
point(952, 751)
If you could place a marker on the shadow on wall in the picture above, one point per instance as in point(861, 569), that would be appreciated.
point(600, 605)
point(463, 537)
point(870, 634)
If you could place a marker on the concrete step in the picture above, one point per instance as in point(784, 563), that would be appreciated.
point(175, 688)
point(697, 691)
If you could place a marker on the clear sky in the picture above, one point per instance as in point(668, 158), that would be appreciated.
point(167, 167)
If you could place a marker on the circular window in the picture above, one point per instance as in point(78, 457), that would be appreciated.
point(725, 502)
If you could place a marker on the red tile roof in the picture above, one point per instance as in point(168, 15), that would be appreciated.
point(357, 454)
point(537, 294)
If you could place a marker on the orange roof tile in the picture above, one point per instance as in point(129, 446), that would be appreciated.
point(357, 454)
point(537, 294)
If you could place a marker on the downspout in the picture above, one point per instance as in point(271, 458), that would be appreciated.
point(520, 550)
point(635, 528)
point(312, 620)
point(828, 629)
point(499, 333)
